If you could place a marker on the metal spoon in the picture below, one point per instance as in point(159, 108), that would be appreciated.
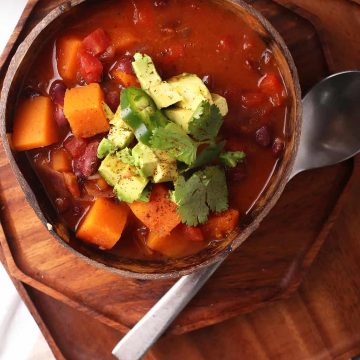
point(330, 134)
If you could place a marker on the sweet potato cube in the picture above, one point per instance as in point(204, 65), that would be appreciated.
point(83, 107)
point(174, 245)
point(104, 223)
point(125, 79)
point(159, 214)
point(220, 225)
point(67, 57)
point(34, 124)
point(60, 160)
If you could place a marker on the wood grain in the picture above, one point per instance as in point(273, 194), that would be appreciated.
point(268, 267)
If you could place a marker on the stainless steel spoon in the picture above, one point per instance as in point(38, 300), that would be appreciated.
point(330, 134)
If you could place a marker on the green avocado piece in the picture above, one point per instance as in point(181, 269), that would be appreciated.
point(180, 116)
point(221, 103)
point(144, 159)
point(145, 71)
point(128, 183)
point(105, 147)
point(163, 94)
point(154, 163)
point(192, 90)
point(110, 169)
point(166, 168)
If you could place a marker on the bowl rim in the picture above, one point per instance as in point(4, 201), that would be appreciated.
point(16, 62)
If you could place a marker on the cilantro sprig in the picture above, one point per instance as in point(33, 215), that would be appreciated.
point(174, 139)
point(203, 192)
point(205, 122)
point(232, 158)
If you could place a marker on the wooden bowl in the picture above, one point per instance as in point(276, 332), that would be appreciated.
point(34, 191)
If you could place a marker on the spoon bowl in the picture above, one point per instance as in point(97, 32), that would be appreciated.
point(331, 122)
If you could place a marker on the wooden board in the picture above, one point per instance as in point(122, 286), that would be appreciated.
point(268, 267)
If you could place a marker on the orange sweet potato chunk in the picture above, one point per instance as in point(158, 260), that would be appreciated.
point(60, 160)
point(104, 223)
point(83, 107)
point(67, 57)
point(220, 225)
point(174, 245)
point(159, 214)
point(34, 124)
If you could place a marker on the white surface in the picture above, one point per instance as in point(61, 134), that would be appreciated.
point(20, 337)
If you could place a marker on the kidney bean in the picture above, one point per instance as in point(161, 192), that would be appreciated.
point(263, 136)
point(75, 146)
point(88, 163)
point(60, 117)
point(112, 99)
point(108, 55)
point(57, 92)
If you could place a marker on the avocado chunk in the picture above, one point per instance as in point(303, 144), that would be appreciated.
point(192, 89)
point(221, 103)
point(166, 169)
point(154, 163)
point(180, 116)
point(128, 183)
point(161, 92)
point(105, 147)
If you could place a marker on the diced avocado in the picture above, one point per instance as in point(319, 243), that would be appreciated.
point(154, 163)
point(180, 117)
point(221, 103)
point(120, 136)
point(166, 169)
point(144, 159)
point(145, 71)
point(161, 92)
point(192, 89)
point(105, 148)
point(128, 183)
point(110, 169)
point(125, 156)
point(164, 95)
point(130, 186)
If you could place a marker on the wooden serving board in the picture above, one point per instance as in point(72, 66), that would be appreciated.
point(268, 267)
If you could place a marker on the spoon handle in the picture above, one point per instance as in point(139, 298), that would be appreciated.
point(144, 334)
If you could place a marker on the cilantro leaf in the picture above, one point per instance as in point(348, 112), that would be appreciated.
point(204, 191)
point(205, 122)
point(190, 196)
point(232, 158)
point(207, 155)
point(174, 139)
point(217, 193)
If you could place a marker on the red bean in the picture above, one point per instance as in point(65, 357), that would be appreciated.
point(60, 117)
point(112, 99)
point(57, 92)
point(263, 136)
point(278, 147)
point(124, 65)
point(75, 146)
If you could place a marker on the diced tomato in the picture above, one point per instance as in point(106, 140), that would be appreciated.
point(253, 99)
point(172, 54)
point(91, 68)
point(192, 233)
point(97, 42)
point(88, 163)
point(75, 146)
point(271, 86)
